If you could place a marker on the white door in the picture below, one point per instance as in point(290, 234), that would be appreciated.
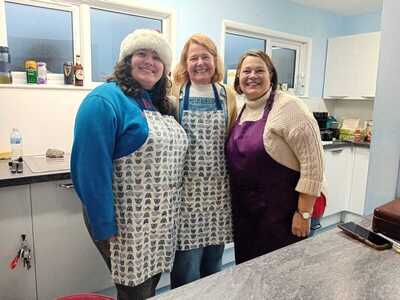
point(352, 66)
point(15, 219)
point(339, 72)
point(338, 170)
point(67, 260)
point(366, 68)
point(359, 181)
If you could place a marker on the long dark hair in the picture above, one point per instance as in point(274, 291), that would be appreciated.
point(122, 75)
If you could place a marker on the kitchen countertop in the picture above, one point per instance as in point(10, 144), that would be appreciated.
point(340, 144)
point(330, 265)
point(27, 177)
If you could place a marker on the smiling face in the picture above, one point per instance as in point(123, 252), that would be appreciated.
point(200, 64)
point(147, 68)
point(254, 77)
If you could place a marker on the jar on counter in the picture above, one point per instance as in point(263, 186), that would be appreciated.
point(68, 73)
point(368, 131)
point(41, 73)
point(5, 73)
point(357, 136)
point(31, 71)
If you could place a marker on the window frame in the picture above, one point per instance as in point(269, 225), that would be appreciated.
point(302, 45)
point(126, 10)
point(291, 46)
point(82, 32)
point(53, 78)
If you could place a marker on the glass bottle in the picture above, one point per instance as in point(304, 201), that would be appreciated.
point(16, 143)
point(78, 71)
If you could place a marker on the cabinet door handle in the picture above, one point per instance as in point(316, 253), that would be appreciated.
point(337, 150)
point(66, 186)
point(368, 97)
point(338, 97)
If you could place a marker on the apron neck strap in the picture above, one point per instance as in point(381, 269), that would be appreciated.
point(269, 104)
point(186, 97)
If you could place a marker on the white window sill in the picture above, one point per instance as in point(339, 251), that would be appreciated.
point(50, 86)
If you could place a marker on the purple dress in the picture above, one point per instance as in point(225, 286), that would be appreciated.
point(264, 199)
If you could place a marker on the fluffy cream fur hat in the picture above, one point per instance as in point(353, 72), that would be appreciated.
point(147, 39)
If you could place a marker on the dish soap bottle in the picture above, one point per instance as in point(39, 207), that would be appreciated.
point(16, 144)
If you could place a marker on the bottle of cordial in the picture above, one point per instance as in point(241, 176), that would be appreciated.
point(78, 71)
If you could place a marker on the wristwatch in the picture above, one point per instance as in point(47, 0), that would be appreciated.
point(305, 214)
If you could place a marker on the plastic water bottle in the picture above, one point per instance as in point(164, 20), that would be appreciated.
point(16, 143)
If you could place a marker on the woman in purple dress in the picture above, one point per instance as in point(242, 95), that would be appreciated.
point(275, 161)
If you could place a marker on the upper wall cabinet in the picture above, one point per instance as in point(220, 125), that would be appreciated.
point(352, 66)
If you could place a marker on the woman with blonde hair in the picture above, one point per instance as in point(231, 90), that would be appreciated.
point(206, 109)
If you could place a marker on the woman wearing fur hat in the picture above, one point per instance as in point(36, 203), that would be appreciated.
point(206, 110)
point(127, 162)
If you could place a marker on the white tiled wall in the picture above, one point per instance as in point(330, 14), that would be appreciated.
point(340, 109)
point(361, 109)
point(45, 117)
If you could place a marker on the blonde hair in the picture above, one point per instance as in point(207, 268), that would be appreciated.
point(180, 73)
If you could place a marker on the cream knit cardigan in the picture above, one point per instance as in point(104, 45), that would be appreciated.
point(291, 137)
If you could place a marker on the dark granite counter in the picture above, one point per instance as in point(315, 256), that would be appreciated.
point(341, 144)
point(330, 265)
point(27, 177)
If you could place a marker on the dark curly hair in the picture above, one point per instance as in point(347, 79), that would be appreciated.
point(122, 75)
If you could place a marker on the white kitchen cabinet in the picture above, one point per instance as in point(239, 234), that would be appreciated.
point(359, 180)
point(352, 66)
point(338, 172)
point(66, 259)
point(15, 219)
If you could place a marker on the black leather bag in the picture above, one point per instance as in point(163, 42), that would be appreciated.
point(386, 219)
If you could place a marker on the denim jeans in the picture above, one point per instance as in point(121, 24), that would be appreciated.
point(315, 225)
point(190, 265)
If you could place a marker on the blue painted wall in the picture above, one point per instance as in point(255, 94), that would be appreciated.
point(362, 24)
point(280, 15)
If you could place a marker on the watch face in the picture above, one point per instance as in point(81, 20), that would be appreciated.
point(305, 215)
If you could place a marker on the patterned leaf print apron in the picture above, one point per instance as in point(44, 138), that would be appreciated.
point(147, 187)
point(206, 217)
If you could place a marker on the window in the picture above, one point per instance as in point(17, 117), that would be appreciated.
point(39, 33)
point(285, 60)
point(54, 32)
point(289, 53)
point(236, 45)
point(108, 29)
